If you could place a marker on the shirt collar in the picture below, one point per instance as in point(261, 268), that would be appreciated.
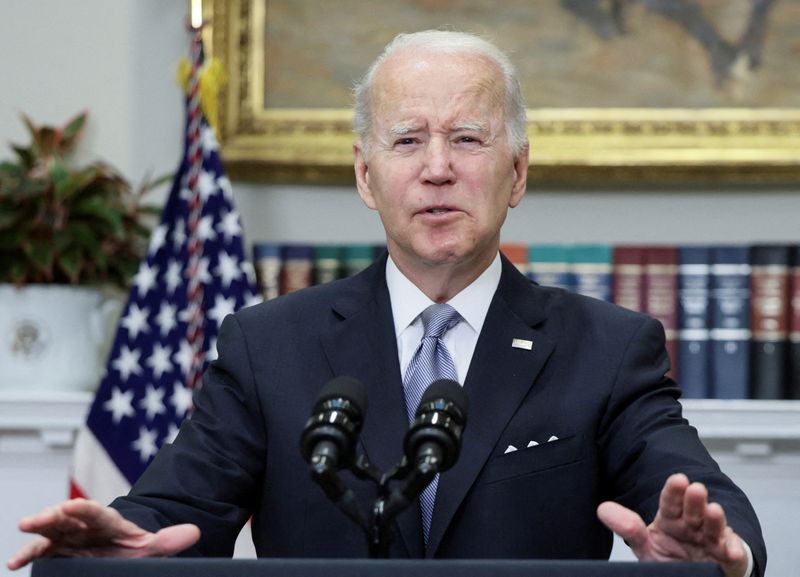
point(472, 303)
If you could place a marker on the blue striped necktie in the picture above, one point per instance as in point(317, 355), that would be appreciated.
point(430, 362)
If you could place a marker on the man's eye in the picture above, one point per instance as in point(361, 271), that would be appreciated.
point(404, 141)
point(467, 139)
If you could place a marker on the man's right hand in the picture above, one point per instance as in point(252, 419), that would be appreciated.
point(81, 528)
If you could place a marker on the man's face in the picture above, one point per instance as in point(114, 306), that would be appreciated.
point(439, 169)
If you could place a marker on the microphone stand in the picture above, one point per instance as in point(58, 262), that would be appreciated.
point(390, 502)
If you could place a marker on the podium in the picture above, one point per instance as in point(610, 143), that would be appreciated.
point(216, 567)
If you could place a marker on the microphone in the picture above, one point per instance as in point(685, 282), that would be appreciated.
point(431, 445)
point(329, 437)
point(433, 441)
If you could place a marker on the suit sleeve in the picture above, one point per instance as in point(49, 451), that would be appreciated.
point(209, 476)
point(644, 439)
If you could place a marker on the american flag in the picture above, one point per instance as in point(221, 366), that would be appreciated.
point(195, 273)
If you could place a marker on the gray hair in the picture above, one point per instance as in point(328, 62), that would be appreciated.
point(445, 42)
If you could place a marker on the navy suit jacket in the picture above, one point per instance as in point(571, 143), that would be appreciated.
point(594, 378)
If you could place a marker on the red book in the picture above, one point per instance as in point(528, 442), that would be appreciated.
point(769, 320)
point(794, 327)
point(661, 295)
point(517, 254)
point(628, 283)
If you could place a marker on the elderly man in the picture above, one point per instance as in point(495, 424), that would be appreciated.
point(574, 429)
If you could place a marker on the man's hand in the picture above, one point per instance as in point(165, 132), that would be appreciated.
point(686, 528)
point(81, 528)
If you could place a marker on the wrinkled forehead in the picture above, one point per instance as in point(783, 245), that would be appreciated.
point(461, 85)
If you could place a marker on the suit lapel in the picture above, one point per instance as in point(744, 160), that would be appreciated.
point(363, 346)
point(498, 380)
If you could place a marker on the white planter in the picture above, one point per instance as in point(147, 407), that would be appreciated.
point(54, 337)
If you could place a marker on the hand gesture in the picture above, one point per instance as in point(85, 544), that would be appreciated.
point(686, 528)
point(81, 528)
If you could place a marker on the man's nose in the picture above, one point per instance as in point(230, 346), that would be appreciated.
point(438, 168)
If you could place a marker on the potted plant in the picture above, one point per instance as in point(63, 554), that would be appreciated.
point(69, 234)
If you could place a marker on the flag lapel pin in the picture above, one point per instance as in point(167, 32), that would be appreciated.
point(522, 344)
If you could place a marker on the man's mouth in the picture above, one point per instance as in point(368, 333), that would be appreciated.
point(438, 210)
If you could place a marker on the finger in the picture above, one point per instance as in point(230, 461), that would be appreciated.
point(50, 520)
point(104, 520)
point(173, 540)
point(670, 503)
point(625, 523)
point(715, 523)
point(695, 502)
point(30, 551)
point(734, 548)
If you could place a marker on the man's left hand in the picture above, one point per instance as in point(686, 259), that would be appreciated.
point(686, 528)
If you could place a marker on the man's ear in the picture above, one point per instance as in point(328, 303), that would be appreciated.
point(362, 176)
point(520, 177)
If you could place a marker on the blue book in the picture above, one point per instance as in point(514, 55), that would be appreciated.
point(550, 265)
point(268, 261)
point(694, 297)
point(591, 266)
point(730, 322)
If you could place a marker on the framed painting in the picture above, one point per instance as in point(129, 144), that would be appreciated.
point(659, 91)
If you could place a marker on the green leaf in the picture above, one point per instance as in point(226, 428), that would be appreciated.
point(96, 207)
point(41, 254)
point(70, 262)
point(73, 129)
point(80, 234)
point(61, 179)
point(26, 155)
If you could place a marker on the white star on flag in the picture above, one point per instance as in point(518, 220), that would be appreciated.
point(127, 363)
point(159, 360)
point(145, 279)
point(228, 269)
point(222, 308)
point(119, 404)
point(145, 444)
point(153, 402)
point(135, 321)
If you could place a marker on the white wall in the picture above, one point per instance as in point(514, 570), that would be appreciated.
point(687, 214)
point(117, 59)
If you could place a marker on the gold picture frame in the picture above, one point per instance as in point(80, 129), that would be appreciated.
point(568, 145)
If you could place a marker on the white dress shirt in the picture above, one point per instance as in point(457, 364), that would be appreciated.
point(472, 303)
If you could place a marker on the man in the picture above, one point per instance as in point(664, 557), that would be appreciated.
point(572, 424)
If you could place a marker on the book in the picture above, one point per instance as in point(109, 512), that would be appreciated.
point(549, 265)
point(730, 322)
point(694, 296)
point(628, 281)
point(267, 262)
point(769, 320)
point(793, 378)
point(660, 295)
point(591, 267)
point(357, 257)
point(297, 270)
point(327, 263)
point(518, 255)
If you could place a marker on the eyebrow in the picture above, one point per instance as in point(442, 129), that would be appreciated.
point(403, 128)
point(471, 126)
